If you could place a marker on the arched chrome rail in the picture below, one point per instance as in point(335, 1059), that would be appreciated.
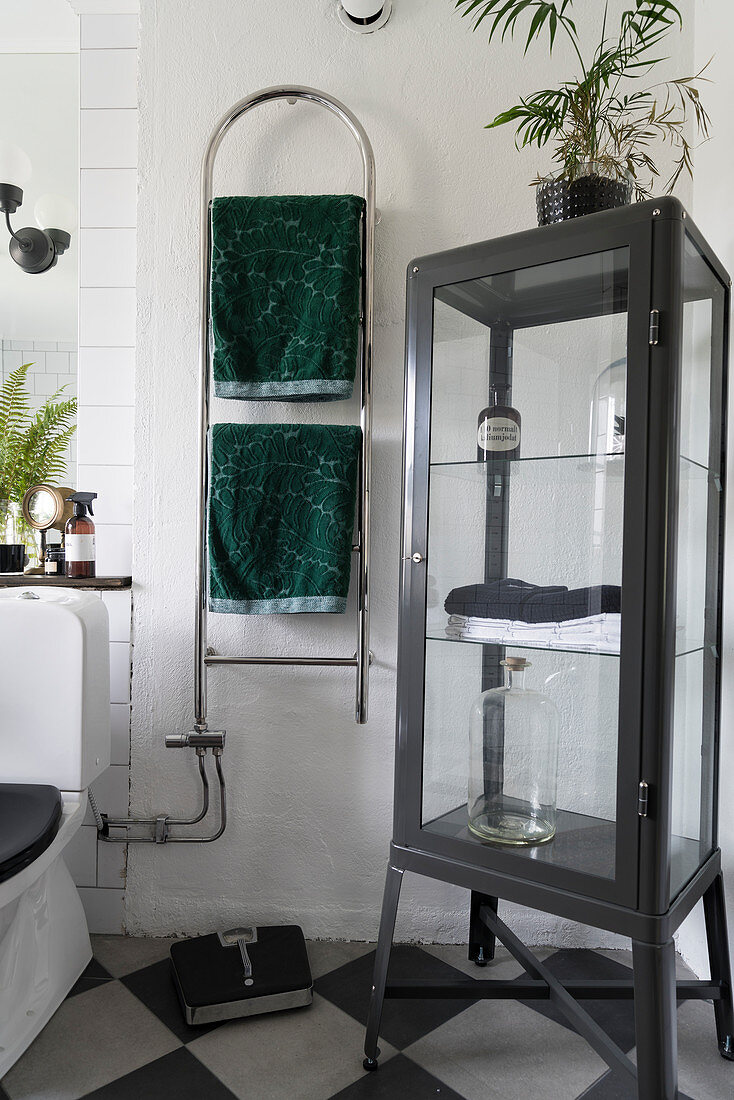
point(361, 659)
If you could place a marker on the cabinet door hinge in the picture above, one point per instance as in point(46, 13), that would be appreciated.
point(643, 799)
point(654, 329)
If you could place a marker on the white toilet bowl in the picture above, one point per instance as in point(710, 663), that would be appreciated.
point(54, 740)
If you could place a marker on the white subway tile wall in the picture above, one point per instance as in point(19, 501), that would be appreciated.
point(107, 217)
point(53, 365)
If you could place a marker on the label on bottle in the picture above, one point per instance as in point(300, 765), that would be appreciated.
point(79, 547)
point(498, 433)
point(51, 567)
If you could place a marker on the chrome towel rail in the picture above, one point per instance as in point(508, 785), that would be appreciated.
point(361, 660)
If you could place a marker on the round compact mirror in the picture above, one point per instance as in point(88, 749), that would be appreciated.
point(45, 506)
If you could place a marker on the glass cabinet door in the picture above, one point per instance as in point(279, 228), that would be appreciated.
point(533, 400)
point(697, 627)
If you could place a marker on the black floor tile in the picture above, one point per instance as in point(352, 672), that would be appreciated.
point(398, 1079)
point(178, 1075)
point(94, 975)
point(153, 985)
point(613, 1087)
point(403, 1021)
point(617, 1018)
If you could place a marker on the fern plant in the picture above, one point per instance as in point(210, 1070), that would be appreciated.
point(32, 441)
point(601, 122)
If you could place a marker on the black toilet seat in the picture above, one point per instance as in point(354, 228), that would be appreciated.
point(29, 820)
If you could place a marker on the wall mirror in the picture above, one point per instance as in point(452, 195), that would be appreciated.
point(39, 86)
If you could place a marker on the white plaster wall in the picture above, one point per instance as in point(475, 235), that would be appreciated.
point(712, 212)
point(310, 792)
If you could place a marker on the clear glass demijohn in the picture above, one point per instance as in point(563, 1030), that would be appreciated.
point(513, 766)
point(608, 420)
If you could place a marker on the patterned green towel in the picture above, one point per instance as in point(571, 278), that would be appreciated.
point(285, 296)
point(281, 516)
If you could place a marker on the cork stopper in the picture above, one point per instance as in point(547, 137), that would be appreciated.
point(515, 664)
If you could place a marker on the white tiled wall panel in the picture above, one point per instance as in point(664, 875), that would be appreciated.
point(103, 32)
point(105, 909)
point(107, 216)
point(80, 856)
point(108, 78)
point(118, 609)
point(107, 376)
point(119, 672)
point(107, 317)
point(108, 197)
point(120, 731)
point(114, 486)
point(109, 139)
point(106, 435)
point(107, 258)
point(114, 549)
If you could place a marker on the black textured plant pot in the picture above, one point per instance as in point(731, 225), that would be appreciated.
point(12, 557)
point(558, 200)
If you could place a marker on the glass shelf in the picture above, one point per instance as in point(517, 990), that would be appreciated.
point(436, 634)
point(587, 464)
point(583, 842)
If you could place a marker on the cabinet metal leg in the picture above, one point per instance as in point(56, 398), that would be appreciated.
point(656, 1021)
point(390, 899)
point(481, 938)
point(718, 944)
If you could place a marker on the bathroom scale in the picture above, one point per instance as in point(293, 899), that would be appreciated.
point(242, 972)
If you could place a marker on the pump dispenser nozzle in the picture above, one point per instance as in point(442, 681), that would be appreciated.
point(82, 503)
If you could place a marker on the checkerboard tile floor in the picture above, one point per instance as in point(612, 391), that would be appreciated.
point(120, 1035)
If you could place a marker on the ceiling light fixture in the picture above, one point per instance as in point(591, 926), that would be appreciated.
point(33, 249)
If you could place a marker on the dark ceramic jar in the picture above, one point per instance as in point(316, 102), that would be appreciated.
point(558, 200)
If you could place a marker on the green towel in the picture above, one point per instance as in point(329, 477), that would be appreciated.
point(285, 296)
point(281, 516)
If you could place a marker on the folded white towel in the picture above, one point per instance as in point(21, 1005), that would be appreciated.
point(597, 633)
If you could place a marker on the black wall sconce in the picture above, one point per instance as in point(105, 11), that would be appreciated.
point(34, 249)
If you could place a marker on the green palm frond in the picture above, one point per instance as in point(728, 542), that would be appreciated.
point(598, 118)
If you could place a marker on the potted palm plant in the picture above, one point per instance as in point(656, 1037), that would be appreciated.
point(32, 446)
point(603, 124)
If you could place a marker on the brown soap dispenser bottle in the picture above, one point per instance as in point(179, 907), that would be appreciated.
point(79, 537)
point(498, 427)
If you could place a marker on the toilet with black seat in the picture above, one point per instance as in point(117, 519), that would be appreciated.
point(54, 741)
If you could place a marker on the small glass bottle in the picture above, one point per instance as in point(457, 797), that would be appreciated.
point(513, 766)
point(498, 427)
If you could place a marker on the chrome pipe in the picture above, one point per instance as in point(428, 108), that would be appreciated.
point(349, 662)
point(161, 824)
point(291, 93)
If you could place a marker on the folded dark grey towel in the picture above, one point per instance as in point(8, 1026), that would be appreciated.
point(532, 603)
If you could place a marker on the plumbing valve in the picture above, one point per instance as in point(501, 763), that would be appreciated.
point(195, 739)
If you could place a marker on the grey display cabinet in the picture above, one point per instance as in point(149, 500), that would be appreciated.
point(612, 332)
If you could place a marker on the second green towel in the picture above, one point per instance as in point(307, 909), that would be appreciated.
point(281, 516)
point(285, 296)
